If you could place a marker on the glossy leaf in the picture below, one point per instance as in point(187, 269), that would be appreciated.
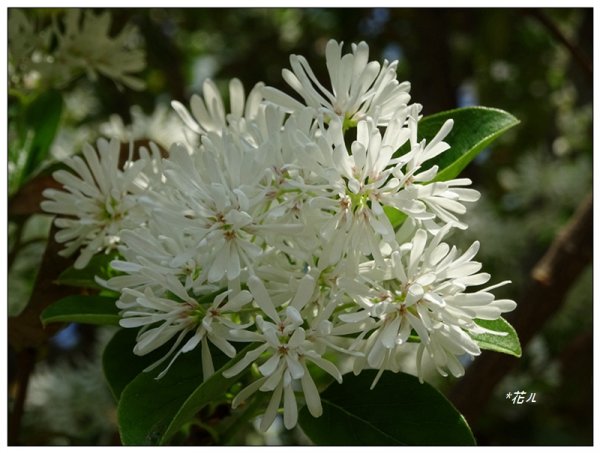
point(151, 410)
point(398, 411)
point(474, 129)
point(147, 405)
point(82, 309)
point(507, 344)
point(121, 365)
point(210, 390)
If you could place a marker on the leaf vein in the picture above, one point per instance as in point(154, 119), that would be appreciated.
point(369, 424)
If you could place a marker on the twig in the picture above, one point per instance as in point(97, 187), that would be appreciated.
point(577, 53)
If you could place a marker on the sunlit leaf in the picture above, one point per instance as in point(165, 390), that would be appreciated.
point(507, 344)
point(474, 129)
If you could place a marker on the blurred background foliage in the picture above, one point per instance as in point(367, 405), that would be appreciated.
point(535, 64)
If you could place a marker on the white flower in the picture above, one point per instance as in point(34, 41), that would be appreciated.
point(289, 350)
point(216, 215)
point(364, 183)
point(25, 43)
point(84, 44)
point(208, 321)
point(422, 288)
point(351, 184)
point(208, 113)
point(355, 183)
point(162, 127)
point(359, 88)
point(99, 200)
point(443, 200)
point(55, 55)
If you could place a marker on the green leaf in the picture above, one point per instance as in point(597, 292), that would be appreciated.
point(208, 391)
point(99, 266)
point(121, 365)
point(507, 344)
point(82, 309)
point(398, 411)
point(474, 129)
point(42, 119)
point(148, 405)
point(151, 410)
point(395, 216)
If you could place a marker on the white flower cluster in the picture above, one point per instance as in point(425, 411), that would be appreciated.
point(274, 231)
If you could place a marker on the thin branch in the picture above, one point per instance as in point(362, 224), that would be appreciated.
point(579, 56)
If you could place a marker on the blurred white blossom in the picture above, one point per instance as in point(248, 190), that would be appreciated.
point(83, 45)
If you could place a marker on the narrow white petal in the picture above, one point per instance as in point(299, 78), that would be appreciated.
point(246, 361)
point(304, 292)
point(208, 368)
point(222, 344)
point(193, 341)
point(325, 365)
point(262, 298)
point(275, 379)
point(269, 367)
point(416, 252)
point(297, 338)
point(186, 117)
point(294, 367)
point(390, 332)
point(290, 409)
point(293, 317)
point(246, 392)
point(311, 394)
point(271, 412)
point(236, 97)
point(238, 301)
point(354, 317)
